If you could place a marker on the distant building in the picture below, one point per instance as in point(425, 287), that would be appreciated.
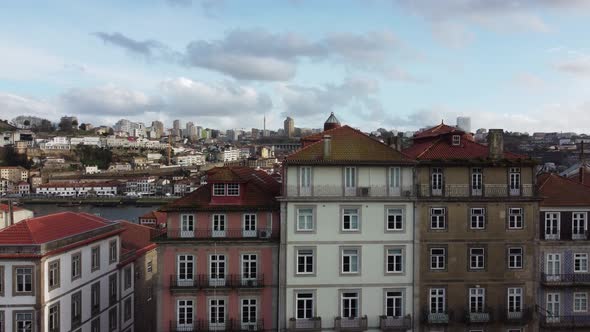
point(289, 127)
point(18, 214)
point(176, 128)
point(191, 130)
point(73, 189)
point(14, 173)
point(155, 219)
point(464, 122)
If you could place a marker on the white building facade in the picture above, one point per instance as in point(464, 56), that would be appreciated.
point(348, 236)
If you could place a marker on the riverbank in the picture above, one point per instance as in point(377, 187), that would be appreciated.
point(75, 201)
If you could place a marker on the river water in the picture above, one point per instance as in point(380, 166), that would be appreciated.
point(122, 212)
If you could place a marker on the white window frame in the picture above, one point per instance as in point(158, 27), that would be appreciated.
point(187, 307)
point(348, 212)
point(249, 266)
point(477, 300)
point(350, 304)
point(350, 177)
point(395, 216)
point(187, 225)
point(347, 256)
point(440, 218)
point(514, 254)
point(515, 218)
point(394, 301)
point(438, 260)
point(552, 225)
point(580, 300)
point(395, 177)
point(307, 218)
point(305, 177)
point(232, 189)
point(480, 259)
point(579, 225)
point(437, 300)
point(305, 255)
point(217, 269)
point(582, 258)
point(456, 140)
point(437, 181)
point(514, 182)
point(248, 313)
point(217, 317)
point(397, 256)
point(477, 218)
point(218, 225)
point(308, 301)
point(515, 299)
point(476, 181)
point(219, 189)
point(250, 225)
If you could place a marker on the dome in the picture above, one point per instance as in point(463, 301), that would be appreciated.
point(331, 122)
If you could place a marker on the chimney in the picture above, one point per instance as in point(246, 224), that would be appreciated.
point(327, 146)
point(395, 142)
point(10, 214)
point(496, 143)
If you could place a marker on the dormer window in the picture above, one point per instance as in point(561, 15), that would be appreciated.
point(226, 189)
point(457, 140)
point(233, 189)
point(219, 189)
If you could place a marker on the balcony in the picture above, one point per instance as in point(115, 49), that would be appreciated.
point(353, 324)
point(437, 318)
point(340, 191)
point(305, 325)
point(203, 281)
point(194, 326)
point(570, 279)
point(520, 317)
point(580, 236)
point(464, 190)
point(216, 235)
point(481, 317)
point(395, 323)
point(239, 326)
point(564, 322)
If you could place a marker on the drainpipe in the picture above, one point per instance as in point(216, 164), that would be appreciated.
point(415, 200)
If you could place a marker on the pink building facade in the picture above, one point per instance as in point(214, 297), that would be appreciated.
point(219, 255)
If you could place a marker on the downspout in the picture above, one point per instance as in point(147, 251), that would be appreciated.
point(414, 292)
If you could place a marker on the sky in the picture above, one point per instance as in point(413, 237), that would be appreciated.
point(520, 65)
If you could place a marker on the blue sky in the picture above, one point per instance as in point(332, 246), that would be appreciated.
point(404, 64)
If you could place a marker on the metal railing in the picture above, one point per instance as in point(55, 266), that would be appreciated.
point(465, 190)
point(516, 316)
point(437, 318)
point(565, 279)
point(199, 281)
point(234, 325)
point(209, 234)
point(560, 322)
point(478, 317)
point(340, 191)
point(350, 324)
point(388, 323)
point(311, 324)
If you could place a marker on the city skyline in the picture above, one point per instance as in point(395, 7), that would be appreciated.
point(392, 64)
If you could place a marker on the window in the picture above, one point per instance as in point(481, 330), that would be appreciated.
point(53, 274)
point(515, 220)
point(218, 189)
point(304, 305)
point(1, 281)
point(580, 302)
point(95, 298)
point(580, 262)
point(250, 225)
point(113, 251)
point(395, 219)
point(552, 225)
point(2, 321)
point(112, 289)
point(394, 304)
point(24, 322)
point(349, 302)
point(53, 318)
point(350, 177)
point(553, 265)
point(184, 313)
point(476, 300)
point(187, 225)
point(579, 225)
point(305, 177)
point(478, 219)
point(217, 312)
point(95, 325)
point(350, 261)
point(76, 265)
point(24, 279)
point(514, 300)
point(305, 261)
point(437, 181)
point(350, 220)
point(514, 179)
point(217, 270)
point(218, 225)
point(185, 267)
point(395, 260)
point(437, 218)
point(127, 309)
point(149, 267)
point(437, 300)
point(394, 177)
point(456, 139)
point(95, 258)
point(249, 266)
point(305, 220)
point(476, 181)
point(233, 189)
point(515, 258)
point(127, 277)
point(76, 312)
point(476, 258)
point(249, 309)
point(437, 258)
point(113, 319)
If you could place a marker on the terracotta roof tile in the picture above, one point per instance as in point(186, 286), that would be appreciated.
point(51, 227)
point(136, 236)
point(4, 208)
point(438, 130)
point(158, 215)
point(560, 191)
point(347, 145)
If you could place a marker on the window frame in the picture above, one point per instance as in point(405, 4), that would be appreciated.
point(395, 178)
point(512, 295)
point(577, 218)
point(551, 217)
point(401, 256)
point(76, 257)
point(53, 274)
point(575, 303)
point(438, 221)
point(480, 222)
point(312, 299)
point(441, 300)
point(444, 258)
point(15, 281)
point(53, 320)
point(217, 186)
point(483, 259)
point(343, 299)
point(515, 221)
point(95, 254)
point(344, 214)
point(580, 256)
point(113, 247)
point(127, 309)
point(510, 255)
point(95, 295)
point(76, 320)
point(476, 293)
point(306, 263)
point(298, 215)
point(401, 212)
point(358, 254)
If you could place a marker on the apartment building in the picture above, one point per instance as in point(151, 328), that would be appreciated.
point(75, 189)
point(347, 236)
point(219, 255)
point(62, 272)
point(475, 216)
point(14, 174)
point(18, 214)
point(563, 254)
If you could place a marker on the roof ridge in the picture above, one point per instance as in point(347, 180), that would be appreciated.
point(428, 148)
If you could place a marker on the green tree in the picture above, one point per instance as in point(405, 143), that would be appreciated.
point(92, 155)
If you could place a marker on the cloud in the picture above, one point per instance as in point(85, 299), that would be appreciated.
point(530, 82)
point(12, 105)
point(579, 66)
point(180, 3)
point(257, 54)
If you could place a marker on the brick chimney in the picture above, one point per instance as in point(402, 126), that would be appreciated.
point(327, 146)
point(395, 142)
point(496, 143)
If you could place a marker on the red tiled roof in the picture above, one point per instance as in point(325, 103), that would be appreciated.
point(560, 191)
point(347, 145)
point(258, 192)
point(158, 215)
point(50, 228)
point(438, 130)
point(441, 148)
point(135, 236)
point(4, 208)
point(586, 177)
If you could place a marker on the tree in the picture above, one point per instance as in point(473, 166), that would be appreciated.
point(65, 124)
point(92, 155)
point(27, 123)
point(74, 123)
point(82, 127)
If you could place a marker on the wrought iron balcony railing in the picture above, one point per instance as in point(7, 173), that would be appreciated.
point(350, 324)
point(388, 323)
point(216, 235)
point(340, 191)
point(307, 325)
point(199, 281)
point(465, 190)
point(478, 317)
point(580, 279)
point(564, 322)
